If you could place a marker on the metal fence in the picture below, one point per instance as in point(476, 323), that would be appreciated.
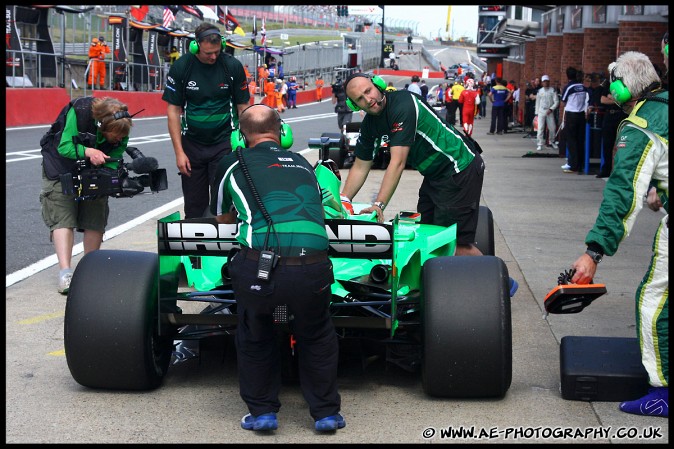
point(72, 33)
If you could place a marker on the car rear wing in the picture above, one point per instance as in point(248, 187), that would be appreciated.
point(353, 239)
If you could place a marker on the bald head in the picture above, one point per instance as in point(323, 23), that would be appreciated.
point(260, 123)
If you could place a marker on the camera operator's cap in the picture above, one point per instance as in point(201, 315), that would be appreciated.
point(545, 78)
point(101, 38)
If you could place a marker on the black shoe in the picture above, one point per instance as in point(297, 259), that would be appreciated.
point(602, 175)
point(490, 133)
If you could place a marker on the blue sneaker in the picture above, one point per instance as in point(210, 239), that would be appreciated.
point(513, 287)
point(266, 421)
point(329, 423)
point(655, 403)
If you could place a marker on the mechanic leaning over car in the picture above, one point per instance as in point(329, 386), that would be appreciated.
point(452, 167)
point(274, 196)
point(202, 89)
point(109, 136)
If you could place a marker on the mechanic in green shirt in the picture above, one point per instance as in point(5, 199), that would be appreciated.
point(416, 135)
point(274, 196)
point(206, 90)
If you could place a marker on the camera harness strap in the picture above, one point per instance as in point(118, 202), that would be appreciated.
point(258, 200)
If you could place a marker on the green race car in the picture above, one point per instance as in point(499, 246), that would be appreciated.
point(399, 293)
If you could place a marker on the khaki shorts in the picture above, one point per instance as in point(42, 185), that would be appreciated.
point(62, 211)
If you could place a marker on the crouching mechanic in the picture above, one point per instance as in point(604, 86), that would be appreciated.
point(109, 121)
point(641, 160)
point(416, 135)
point(277, 204)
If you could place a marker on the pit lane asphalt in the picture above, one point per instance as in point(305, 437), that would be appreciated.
point(541, 217)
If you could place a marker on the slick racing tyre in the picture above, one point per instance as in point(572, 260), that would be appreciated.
point(467, 331)
point(111, 322)
point(484, 233)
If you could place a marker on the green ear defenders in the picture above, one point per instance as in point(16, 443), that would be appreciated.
point(194, 45)
point(238, 139)
point(665, 38)
point(378, 82)
point(621, 94)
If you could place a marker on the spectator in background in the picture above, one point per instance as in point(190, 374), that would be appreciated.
point(455, 92)
point(174, 55)
point(280, 90)
point(484, 91)
point(409, 42)
point(97, 51)
point(530, 101)
point(499, 96)
point(390, 86)
point(269, 93)
point(344, 113)
point(575, 100)
point(252, 89)
point(510, 85)
point(319, 88)
point(292, 93)
point(545, 105)
point(469, 99)
point(414, 86)
point(424, 89)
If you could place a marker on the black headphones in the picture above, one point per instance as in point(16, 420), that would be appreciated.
point(378, 82)
point(119, 115)
point(238, 139)
point(194, 45)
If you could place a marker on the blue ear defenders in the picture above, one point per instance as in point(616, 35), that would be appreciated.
point(378, 82)
point(238, 139)
point(619, 91)
point(194, 45)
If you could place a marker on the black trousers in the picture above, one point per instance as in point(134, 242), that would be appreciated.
point(498, 119)
point(305, 289)
point(575, 138)
point(197, 187)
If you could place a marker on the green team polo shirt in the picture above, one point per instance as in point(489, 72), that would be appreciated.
point(407, 120)
point(287, 186)
point(208, 93)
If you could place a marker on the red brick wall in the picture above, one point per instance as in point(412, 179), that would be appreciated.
point(553, 60)
point(644, 37)
point(600, 49)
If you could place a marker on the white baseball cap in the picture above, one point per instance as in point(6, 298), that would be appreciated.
point(545, 78)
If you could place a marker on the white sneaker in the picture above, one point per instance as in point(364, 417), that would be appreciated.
point(555, 146)
point(65, 276)
point(566, 167)
point(539, 148)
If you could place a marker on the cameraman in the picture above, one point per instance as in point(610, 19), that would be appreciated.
point(344, 114)
point(107, 137)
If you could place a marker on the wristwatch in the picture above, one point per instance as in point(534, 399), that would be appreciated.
point(380, 205)
point(596, 257)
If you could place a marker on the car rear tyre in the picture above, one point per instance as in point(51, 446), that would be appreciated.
point(111, 322)
point(338, 155)
point(484, 233)
point(467, 330)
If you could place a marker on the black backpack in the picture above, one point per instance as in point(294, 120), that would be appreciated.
point(53, 163)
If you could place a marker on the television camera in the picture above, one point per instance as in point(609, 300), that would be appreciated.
point(90, 181)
